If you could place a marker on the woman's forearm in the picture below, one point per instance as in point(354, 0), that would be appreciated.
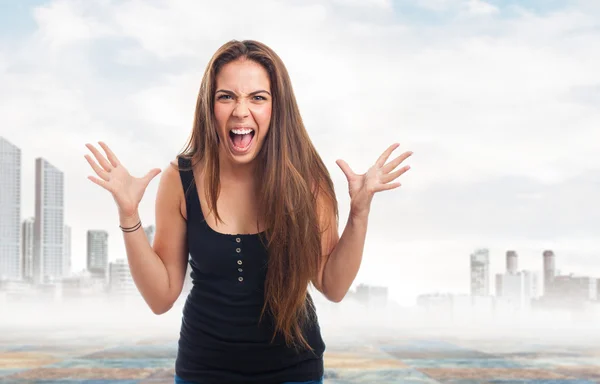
point(344, 262)
point(147, 269)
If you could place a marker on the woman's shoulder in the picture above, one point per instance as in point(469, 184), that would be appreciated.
point(174, 173)
point(180, 161)
point(171, 175)
point(175, 180)
point(186, 162)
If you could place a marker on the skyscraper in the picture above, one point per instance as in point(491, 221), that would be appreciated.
point(480, 272)
point(49, 222)
point(97, 252)
point(549, 269)
point(27, 248)
point(10, 211)
point(120, 280)
point(511, 262)
point(518, 285)
point(67, 251)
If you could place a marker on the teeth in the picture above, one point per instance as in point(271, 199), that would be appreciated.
point(242, 131)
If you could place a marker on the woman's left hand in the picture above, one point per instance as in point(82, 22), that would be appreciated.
point(378, 178)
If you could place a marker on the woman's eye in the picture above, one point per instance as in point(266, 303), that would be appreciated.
point(228, 97)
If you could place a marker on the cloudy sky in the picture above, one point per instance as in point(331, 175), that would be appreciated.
point(499, 100)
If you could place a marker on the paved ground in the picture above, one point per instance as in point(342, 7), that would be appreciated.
point(67, 357)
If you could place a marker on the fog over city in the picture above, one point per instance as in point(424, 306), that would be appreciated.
point(345, 322)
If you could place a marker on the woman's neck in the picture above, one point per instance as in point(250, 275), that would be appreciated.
point(236, 173)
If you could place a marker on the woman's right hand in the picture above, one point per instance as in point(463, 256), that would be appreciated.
point(114, 177)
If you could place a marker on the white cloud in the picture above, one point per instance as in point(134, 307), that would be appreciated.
point(479, 7)
point(470, 7)
point(385, 4)
point(64, 22)
point(436, 5)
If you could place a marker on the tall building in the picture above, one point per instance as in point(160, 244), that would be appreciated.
point(150, 230)
point(549, 269)
point(511, 262)
point(570, 288)
point(27, 248)
point(480, 272)
point(376, 296)
point(10, 211)
point(97, 252)
point(521, 285)
point(49, 223)
point(67, 251)
point(120, 280)
point(531, 281)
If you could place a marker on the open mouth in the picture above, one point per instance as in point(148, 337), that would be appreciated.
point(241, 138)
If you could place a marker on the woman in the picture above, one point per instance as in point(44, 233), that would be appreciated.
point(252, 204)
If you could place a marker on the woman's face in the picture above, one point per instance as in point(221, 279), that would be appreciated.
point(243, 106)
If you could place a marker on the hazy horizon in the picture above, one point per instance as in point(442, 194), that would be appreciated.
point(121, 320)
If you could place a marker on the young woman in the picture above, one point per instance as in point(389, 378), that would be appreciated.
point(251, 203)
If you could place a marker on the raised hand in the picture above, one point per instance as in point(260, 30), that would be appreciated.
point(362, 187)
point(126, 190)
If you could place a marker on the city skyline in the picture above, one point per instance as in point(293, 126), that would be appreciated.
point(99, 263)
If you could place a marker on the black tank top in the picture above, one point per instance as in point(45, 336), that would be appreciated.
point(221, 339)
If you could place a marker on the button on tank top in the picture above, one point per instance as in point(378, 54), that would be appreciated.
point(221, 339)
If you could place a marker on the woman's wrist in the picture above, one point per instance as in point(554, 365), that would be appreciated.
point(129, 221)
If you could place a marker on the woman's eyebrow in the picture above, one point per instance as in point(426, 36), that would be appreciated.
point(251, 93)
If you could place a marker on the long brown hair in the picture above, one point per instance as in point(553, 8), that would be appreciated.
point(292, 177)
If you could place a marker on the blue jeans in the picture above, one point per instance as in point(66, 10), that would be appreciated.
point(179, 380)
